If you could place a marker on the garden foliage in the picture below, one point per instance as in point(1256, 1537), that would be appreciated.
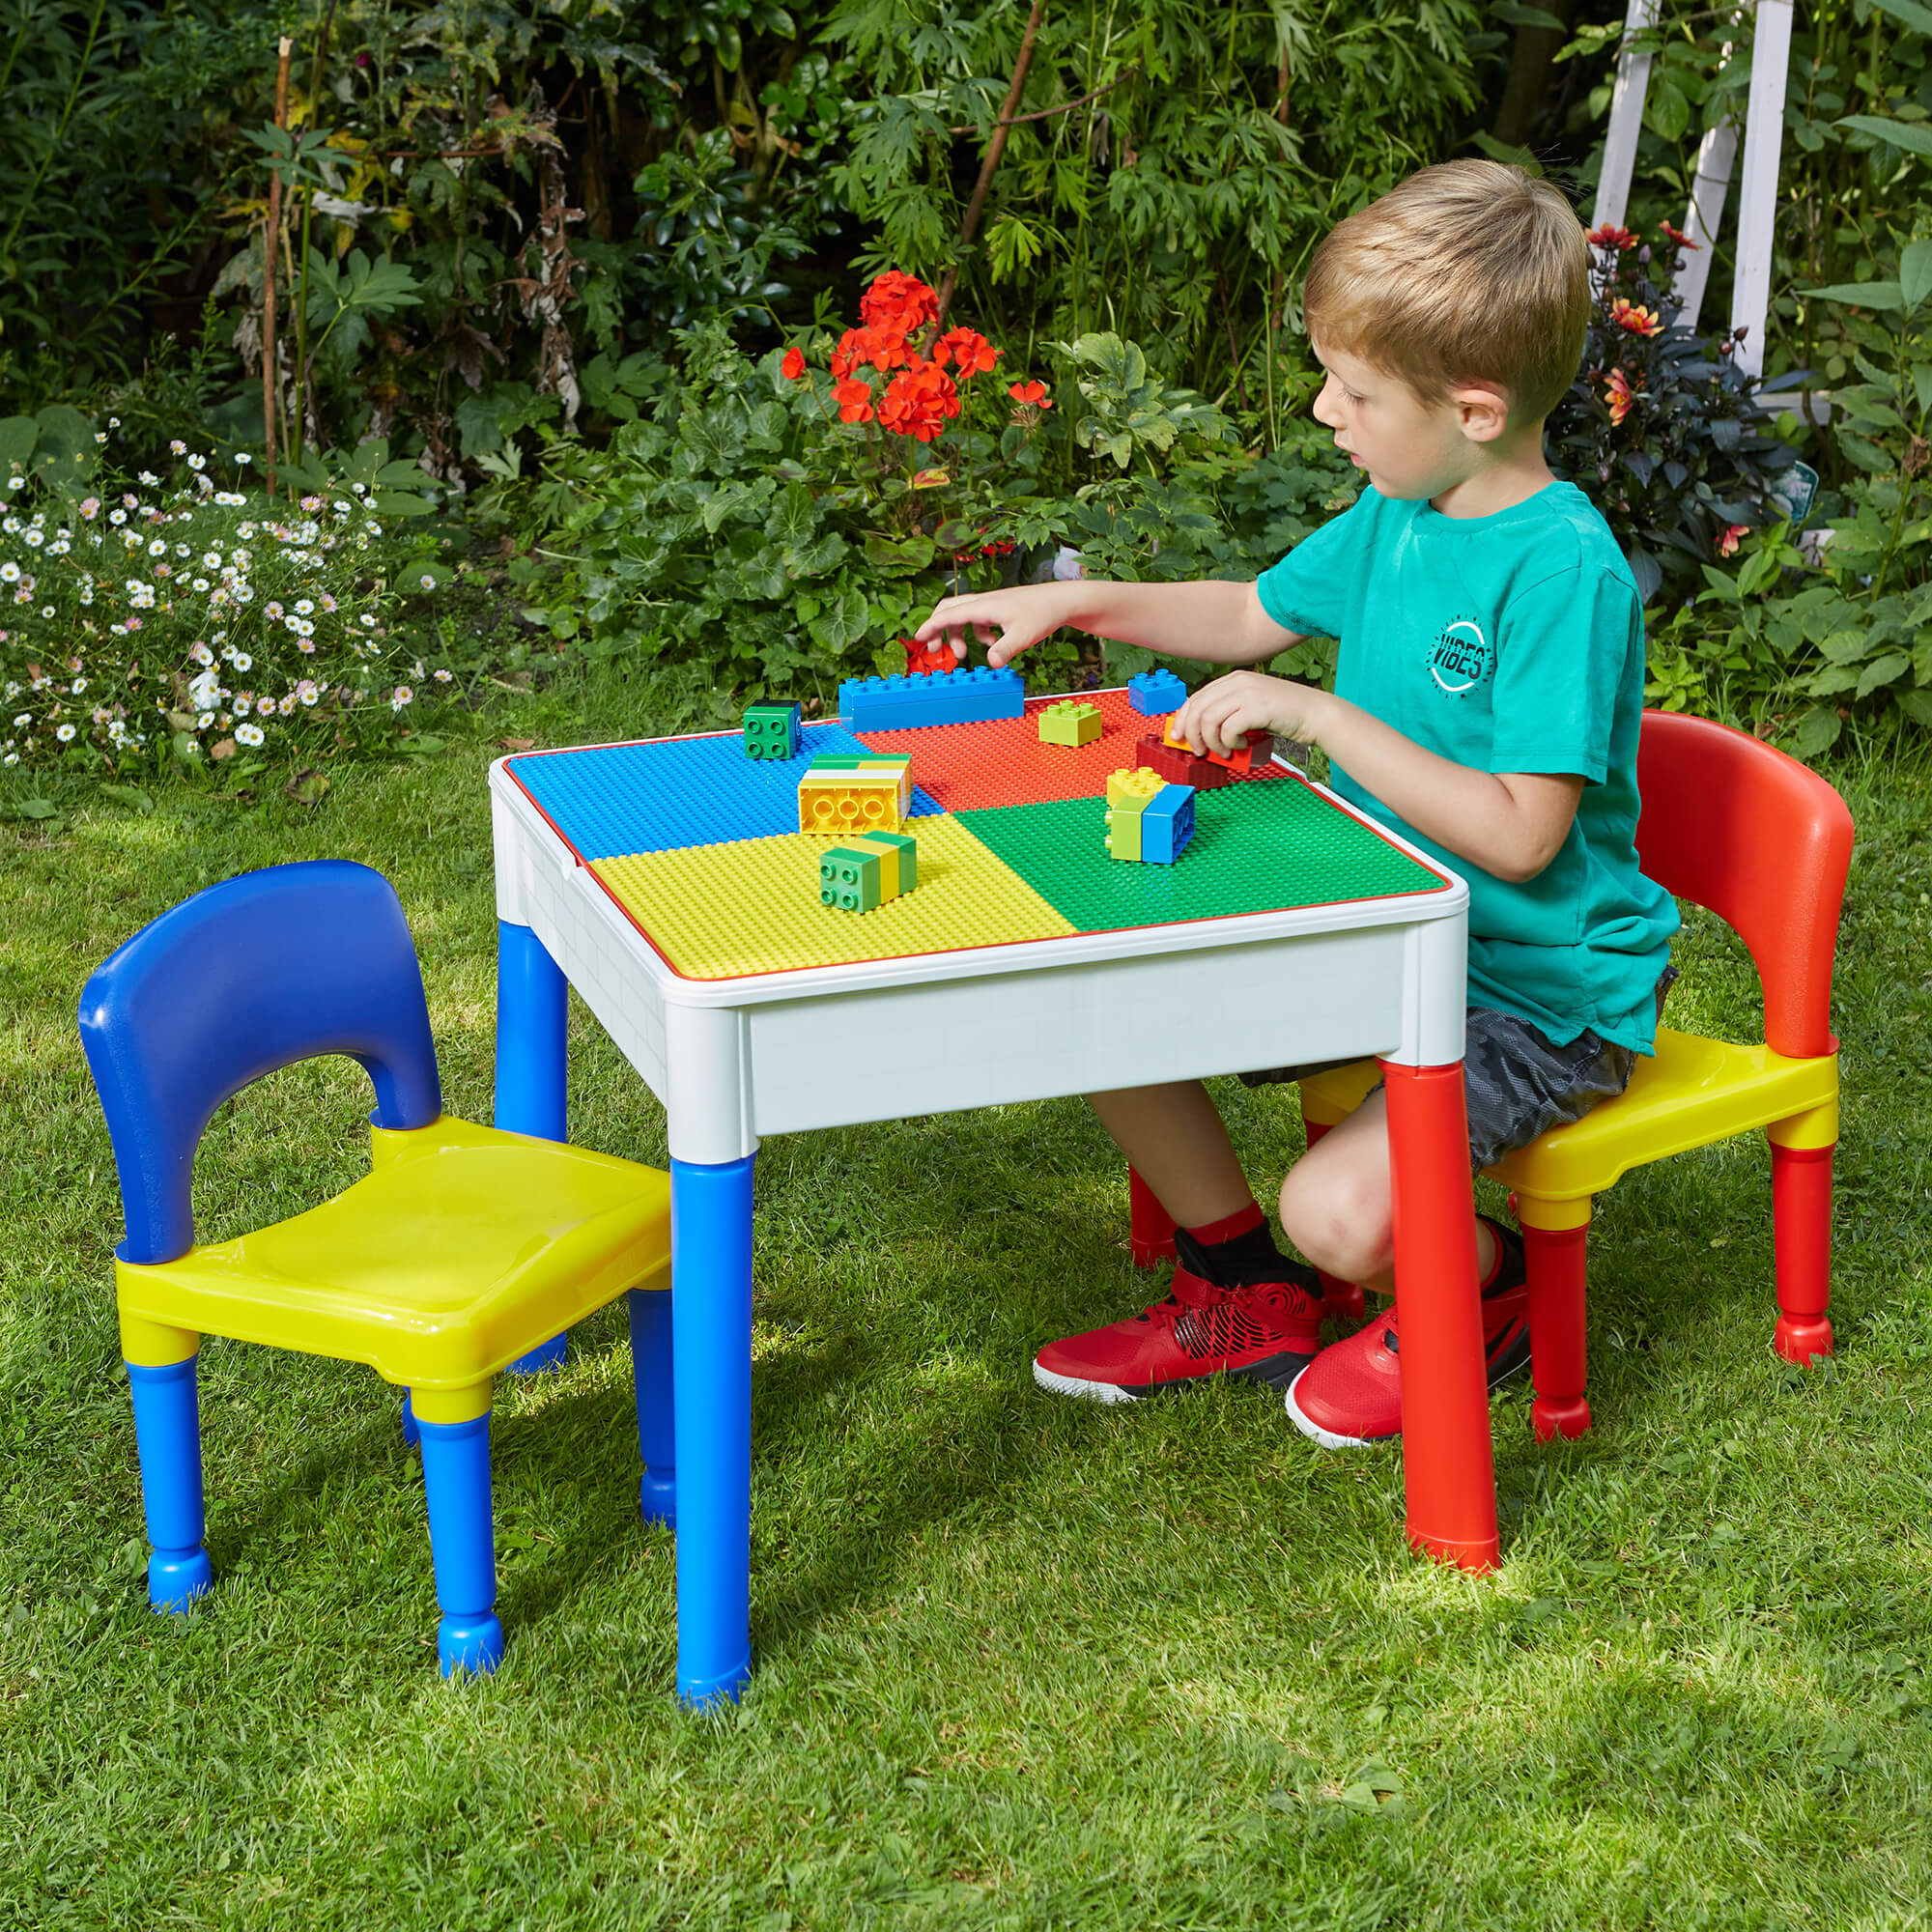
point(148, 623)
point(790, 517)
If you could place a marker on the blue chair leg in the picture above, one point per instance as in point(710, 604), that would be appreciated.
point(167, 1433)
point(532, 1064)
point(711, 1360)
point(456, 1481)
point(651, 1375)
point(412, 1432)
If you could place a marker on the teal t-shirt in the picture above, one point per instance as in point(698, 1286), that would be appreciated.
point(1509, 643)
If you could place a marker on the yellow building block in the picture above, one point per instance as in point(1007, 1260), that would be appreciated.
point(840, 804)
point(1072, 722)
point(1133, 789)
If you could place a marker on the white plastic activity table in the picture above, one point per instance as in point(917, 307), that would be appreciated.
point(737, 1058)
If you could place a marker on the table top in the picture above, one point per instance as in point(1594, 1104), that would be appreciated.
point(697, 845)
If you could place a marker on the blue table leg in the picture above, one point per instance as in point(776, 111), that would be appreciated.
point(651, 1375)
point(711, 1360)
point(532, 1070)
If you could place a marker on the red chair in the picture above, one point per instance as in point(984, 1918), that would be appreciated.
point(1749, 833)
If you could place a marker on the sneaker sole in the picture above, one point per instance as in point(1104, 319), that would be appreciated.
point(1274, 1372)
point(1513, 1361)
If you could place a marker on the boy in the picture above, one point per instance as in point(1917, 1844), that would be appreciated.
point(1485, 707)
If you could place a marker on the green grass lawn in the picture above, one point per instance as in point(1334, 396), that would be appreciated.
point(1020, 1661)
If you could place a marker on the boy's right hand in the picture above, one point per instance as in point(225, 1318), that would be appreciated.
point(1005, 621)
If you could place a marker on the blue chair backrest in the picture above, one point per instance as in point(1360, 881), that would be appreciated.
point(251, 975)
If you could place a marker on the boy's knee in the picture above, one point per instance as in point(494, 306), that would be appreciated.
point(1340, 1219)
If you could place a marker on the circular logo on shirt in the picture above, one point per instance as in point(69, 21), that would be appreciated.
point(1461, 657)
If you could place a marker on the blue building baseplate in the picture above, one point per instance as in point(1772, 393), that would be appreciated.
point(612, 800)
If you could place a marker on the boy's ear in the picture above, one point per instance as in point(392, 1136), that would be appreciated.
point(1482, 412)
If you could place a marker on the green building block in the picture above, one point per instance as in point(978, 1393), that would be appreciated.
point(848, 879)
point(772, 731)
point(1073, 723)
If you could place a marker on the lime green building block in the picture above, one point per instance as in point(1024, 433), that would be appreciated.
point(1073, 723)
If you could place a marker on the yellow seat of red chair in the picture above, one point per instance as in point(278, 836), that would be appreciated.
point(1691, 1093)
point(461, 1250)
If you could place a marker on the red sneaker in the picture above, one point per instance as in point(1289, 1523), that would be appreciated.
point(1350, 1395)
point(1266, 1332)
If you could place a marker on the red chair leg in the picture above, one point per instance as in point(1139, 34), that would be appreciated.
point(1558, 1361)
point(1801, 1210)
point(1150, 1237)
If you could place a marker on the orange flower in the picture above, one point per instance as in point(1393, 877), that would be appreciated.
point(854, 399)
point(1030, 395)
point(881, 347)
point(1619, 394)
point(1677, 237)
point(918, 403)
point(1727, 544)
point(1609, 237)
point(1638, 321)
point(904, 302)
point(967, 347)
point(793, 366)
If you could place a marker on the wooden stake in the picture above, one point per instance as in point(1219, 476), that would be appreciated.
point(995, 148)
point(268, 384)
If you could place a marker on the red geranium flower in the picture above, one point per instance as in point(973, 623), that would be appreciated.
point(1638, 321)
point(881, 346)
point(1619, 394)
point(854, 399)
point(1609, 237)
point(967, 347)
point(1677, 237)
point(793, 366)
point(1031, 394)
point(918, 403)
point(902, 301)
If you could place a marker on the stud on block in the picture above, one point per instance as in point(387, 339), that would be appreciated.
point(1072, 722)
point(942, 697)
point(1154, 692)
point(772, 731)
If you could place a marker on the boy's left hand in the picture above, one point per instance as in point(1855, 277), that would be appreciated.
point(1220, 716)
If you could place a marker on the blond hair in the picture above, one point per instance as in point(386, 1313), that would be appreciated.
point(1470, 272)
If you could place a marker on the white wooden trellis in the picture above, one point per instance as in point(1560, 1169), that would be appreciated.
point(1717, 155)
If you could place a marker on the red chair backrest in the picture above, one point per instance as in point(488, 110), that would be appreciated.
point(1765, 843)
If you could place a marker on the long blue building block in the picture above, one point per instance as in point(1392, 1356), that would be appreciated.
point(1155, 693)
point(944, 698)
point(1167, 824)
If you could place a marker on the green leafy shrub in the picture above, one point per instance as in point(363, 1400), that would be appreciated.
point(148, 623)
point(1660, 428)
point(789, 519)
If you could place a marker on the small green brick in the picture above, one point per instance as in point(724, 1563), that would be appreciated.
point(909, 851)
point(848, 880)
point(771, 731)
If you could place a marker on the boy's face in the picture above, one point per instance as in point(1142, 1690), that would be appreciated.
point(1408, 448)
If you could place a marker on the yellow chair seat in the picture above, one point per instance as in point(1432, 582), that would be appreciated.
point(463, 1249)
point(1690, 1092)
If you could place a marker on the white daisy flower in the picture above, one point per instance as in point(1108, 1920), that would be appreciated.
point(248, 734)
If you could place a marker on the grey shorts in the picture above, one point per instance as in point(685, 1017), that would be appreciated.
point(1517, 1083)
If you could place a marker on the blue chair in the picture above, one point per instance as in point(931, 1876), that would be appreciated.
point(462, 1251)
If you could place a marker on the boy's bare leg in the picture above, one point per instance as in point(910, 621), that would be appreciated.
point(1337, 1203)
point(1177, 1143)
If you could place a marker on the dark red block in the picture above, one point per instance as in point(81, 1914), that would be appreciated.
point(1180, 766)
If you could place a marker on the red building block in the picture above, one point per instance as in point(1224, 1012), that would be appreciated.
point(928, 660)
point(1177, 765)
